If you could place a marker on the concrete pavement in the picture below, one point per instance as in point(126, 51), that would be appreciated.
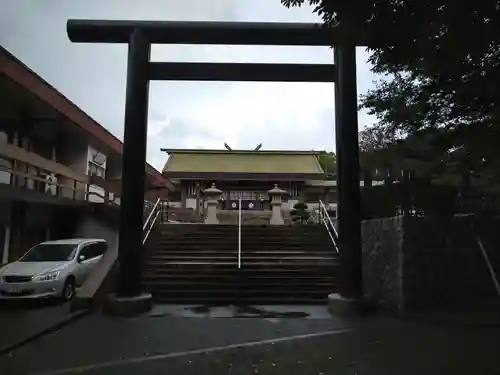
point(164, 342)
point(23, 321)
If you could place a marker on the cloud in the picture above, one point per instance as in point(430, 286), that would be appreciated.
point(181, 114)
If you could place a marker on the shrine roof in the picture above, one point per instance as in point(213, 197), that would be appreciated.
point(242, 163)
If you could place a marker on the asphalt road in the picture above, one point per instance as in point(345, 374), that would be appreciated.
point(21, 320)
point(178, 345)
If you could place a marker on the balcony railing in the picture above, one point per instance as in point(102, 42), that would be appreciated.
point(27, 170)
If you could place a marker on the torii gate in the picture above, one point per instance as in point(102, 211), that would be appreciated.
point(139, 35)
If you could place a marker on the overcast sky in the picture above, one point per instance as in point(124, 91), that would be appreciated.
point(181, 114)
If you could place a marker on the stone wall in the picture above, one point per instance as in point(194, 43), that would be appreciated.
point(382, 266)
point(103, 277)
point(94, 227)
point(412, 264)
point(443, 266)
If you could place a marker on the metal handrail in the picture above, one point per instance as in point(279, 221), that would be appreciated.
point(151, 214)
point(151, 227)
point(325, 211)
point(149, 223)
point(239, 233)
point(313, 217)
point(329, 229)
point(488, 264)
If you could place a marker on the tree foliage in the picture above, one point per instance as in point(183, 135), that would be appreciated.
point(328, 162)
point(378, 149)
point(440, 90)
point(373, 138)
point(300, 212)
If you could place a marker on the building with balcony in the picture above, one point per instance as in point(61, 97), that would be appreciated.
point(55, 162)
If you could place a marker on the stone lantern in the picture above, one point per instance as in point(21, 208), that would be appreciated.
point(212, 195)
point(276, 195)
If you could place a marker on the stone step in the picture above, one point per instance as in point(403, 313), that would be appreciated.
point(217, 235)
point(233, 272)
point(253, 245)
point(244, 241)
point(167, 284)
point(196, 265)
point(307, 248)
point(322, 292)
point(234, 234)
point(187, 251)
point(297, 237)
point(241, 300)
point(257, 230)
point(247, 258)
point(250, 294)
point(234, 254)
point(176, 228)
point(156, 285)
point(268, 278)
point(290, 272)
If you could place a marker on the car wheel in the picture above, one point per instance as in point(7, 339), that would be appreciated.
point(69, 289)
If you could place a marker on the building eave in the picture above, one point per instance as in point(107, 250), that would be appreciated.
point(333, 183)
point(242, 176)
point(240, 152)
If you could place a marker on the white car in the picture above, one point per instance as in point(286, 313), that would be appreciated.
point(51, 269)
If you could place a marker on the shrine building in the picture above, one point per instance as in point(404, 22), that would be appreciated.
point(248, 174)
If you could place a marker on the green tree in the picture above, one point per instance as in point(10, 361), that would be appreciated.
point(442, 74)
point(373, 138)
point(328, 162)
point(300, 212)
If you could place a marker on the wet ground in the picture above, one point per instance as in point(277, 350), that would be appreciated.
point(22, 320)
point(241, 311)
point(257, 340)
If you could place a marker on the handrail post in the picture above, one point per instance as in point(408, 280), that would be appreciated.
point(488, 264)
point(323, 216)
point(239, 232)
point(151, 219)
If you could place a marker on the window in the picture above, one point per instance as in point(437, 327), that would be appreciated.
point(50, 253)
point(96, 170)
point(94, 250)
point(100, 248)
point(174, 196)
point(87, 252)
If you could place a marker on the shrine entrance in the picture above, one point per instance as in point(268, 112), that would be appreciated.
point(139, 35)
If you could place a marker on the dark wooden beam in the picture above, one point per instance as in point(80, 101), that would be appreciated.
point(242, 72)
point(133, 174)
point(348, 209)
point(222, 33)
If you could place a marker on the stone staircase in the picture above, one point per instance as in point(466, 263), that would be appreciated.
point(196, 263)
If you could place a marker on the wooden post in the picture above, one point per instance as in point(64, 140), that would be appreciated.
point(346, 129)
point(133, 166)
point(75, 186)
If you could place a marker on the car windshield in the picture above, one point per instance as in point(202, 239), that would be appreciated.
point(50, 253)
